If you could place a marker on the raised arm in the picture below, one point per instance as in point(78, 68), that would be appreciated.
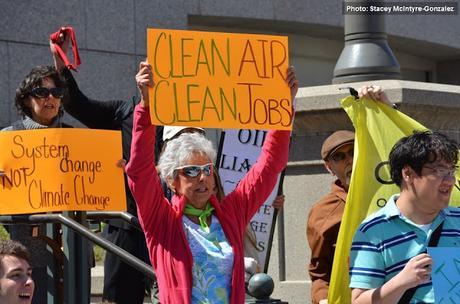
point(93, 113)
point(143, 179)
point(63, 42)
point(257, 185)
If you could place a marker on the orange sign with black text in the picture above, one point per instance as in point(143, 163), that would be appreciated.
point(219, 80)
point(60, 170)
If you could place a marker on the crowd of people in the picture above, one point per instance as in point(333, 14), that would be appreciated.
point(196, 238)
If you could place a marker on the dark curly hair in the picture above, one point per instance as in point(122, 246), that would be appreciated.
point(420, 148)
point(10, 247)
point(33, 80)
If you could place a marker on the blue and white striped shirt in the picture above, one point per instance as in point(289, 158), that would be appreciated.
point(386, 241)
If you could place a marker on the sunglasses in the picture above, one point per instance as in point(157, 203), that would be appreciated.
point(339, 156)
point(194, 171)
point(42, 92)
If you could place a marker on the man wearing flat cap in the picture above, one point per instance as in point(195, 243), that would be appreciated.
point(325, 216)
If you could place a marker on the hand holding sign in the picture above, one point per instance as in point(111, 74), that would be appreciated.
point(375, 93)
point(122, 164)
point(59, 45)
point(144, 81)
point(4, 176)
point(417, 271)
point(292, 82)
point(278, 203)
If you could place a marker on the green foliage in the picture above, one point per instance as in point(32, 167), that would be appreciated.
point(4, 235)
point(99, 254)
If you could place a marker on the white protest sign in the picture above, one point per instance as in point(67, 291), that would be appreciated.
point(239, 151)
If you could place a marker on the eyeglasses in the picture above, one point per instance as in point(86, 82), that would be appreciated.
point(42, 92)
point(443, 172)
point(194, 171)
point(339, 156)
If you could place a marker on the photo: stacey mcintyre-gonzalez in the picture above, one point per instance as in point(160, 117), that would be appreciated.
point(196, 242)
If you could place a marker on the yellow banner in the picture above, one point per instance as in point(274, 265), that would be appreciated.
point(60, 170)
point(219, 80)
point(377, 128)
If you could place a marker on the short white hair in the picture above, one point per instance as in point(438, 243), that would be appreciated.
point(180, 149)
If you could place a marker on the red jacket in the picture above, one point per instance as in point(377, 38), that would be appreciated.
point(162, 222)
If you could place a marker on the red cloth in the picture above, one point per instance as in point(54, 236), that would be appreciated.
point(67, 31)
point(161, 221)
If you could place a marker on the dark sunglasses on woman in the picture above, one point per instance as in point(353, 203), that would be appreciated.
point(42, 92)
point(194, 171)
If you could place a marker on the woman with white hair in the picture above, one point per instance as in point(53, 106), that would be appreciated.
point(196, 242)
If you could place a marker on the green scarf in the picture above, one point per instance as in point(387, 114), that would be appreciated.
point(201, 214)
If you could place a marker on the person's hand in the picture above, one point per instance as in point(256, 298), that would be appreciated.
point(292, 82)
point(64, 42)
point(121, 164)
point(417, 271)
point(375, 93)
point(144, 80)
point(250, 265)
point(4, 176)
point(278, 202)
point(250, 268)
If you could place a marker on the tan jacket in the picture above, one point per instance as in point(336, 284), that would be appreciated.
point(322, 230)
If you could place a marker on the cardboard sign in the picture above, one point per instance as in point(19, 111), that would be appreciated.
point(60, 170)
point(445, 274)
point(239, 151)
point(219, 80)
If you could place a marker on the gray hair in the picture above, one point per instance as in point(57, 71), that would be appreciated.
point(180, 149)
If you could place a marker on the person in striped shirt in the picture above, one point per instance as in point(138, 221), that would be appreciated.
point(388, 254)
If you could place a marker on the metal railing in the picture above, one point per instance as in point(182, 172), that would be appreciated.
point(88, 234)
point(261, 296)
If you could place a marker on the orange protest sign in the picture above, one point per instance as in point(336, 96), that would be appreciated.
point(219, 80)
point(59, 170)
